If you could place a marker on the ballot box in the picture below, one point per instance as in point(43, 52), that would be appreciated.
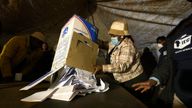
point(76, 46)
point(82, 53)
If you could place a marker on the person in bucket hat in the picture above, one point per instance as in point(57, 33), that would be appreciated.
point(39, 35)
point(119, 28)
point(20, 54)
point(123, 59)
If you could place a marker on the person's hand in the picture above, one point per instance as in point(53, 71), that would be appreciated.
point(144, 86)
point(98, 68)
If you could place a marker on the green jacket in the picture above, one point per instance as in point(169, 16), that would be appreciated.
point(17, 56)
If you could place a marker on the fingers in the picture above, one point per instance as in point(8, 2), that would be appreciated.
point(97, 69)
point(143, 86)
point(145, 89)
point(136, 85)
point(140, 84)
point(139, 88)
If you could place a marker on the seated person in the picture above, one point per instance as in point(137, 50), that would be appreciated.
point(124, 60)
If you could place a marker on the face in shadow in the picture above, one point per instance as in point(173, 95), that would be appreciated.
point(35, 43)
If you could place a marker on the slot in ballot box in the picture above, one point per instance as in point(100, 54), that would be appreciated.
point(76, 51)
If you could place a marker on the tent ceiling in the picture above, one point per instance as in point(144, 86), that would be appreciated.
point(147, 19)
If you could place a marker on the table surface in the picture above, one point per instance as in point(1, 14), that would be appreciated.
point(115, 97)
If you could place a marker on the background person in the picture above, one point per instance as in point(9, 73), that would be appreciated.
point(20, 54)
point(175, 69)
point(148, 61)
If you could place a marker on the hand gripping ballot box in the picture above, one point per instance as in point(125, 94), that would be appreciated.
point(76, 46)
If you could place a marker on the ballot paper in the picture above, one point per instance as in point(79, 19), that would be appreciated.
point(39, 96)
point(85, 78)
point(34, 83)
point(73, 82)
point(65, 93)
point(103, 87)
point(66, 96)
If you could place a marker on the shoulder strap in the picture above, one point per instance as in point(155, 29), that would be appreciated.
point(109, 54)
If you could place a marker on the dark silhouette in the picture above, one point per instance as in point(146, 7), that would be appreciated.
point(148, 61)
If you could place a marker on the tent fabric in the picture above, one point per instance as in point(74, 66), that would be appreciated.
point(48, 16)
point(147, 19)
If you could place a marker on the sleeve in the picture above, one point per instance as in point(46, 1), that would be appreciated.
point(5, 66)
point(155, 79)
point(162, 71)
point(124, 62)
point(9, 50)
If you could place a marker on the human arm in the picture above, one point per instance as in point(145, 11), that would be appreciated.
point(8, 52)
point(122, 59)
point(5, 67)
point(159, 76)
point(162, 70)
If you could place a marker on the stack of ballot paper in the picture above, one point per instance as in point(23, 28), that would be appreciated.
point(73, 82)
point(65, 93)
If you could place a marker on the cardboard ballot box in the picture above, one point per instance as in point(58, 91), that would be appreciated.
point(76, 47)
point(82, 53)
point(81, 26)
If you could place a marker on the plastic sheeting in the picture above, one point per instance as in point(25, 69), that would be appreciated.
point(48, 16)
point(147, 19)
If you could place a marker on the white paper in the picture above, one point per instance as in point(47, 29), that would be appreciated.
point(104, 86)
point(68, 88)
point(66, 96)
point(34, 83)
point(39, 96)
point(65, 93)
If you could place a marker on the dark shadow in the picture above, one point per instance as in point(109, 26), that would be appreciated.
point(148, 61)
point(44, 14)
point(180, 27)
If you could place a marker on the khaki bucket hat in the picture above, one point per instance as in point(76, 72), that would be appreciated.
point(38, 35)
point(119, 28)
